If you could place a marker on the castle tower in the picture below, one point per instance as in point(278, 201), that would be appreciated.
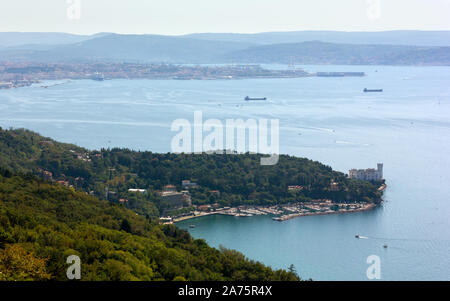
point(380, 170)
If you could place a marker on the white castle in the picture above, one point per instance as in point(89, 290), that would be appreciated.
point(369, 174)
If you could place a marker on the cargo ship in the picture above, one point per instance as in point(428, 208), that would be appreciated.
point(372, 90)
point(254, 98)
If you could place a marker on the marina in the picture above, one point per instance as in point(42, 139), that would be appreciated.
point(280, 213)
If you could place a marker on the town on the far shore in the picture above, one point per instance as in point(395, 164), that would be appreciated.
point(22, 74)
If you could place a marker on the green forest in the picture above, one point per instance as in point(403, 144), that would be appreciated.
point(240, 179)
point(58, 199)
point(42, 223)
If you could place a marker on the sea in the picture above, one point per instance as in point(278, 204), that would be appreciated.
point(330, 120)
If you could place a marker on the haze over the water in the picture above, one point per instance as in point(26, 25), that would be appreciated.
point(173, 17)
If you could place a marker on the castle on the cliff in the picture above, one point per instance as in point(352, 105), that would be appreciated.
point(369, 174)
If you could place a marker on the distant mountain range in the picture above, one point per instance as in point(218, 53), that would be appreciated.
point(396, 37)
point(316, 52)
point(130, 48)
point(13, 39)
point(307, 47)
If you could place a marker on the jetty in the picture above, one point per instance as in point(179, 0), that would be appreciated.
point(362, 207)
point(279, 213)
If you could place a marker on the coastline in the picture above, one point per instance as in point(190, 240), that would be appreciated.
point(291, 216)
point(284, 212)
point(38, 72)
point(278, 213)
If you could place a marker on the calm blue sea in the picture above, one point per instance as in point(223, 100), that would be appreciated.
point(407, 127)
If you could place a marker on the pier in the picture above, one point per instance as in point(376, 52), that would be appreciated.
point(281, 212)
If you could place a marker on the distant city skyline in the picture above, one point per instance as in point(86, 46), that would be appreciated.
point(176, 17)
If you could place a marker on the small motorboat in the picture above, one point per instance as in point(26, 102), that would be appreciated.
point(357, 236)
point(191, 226)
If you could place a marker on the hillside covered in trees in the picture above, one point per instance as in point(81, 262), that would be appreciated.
point(42, 223)
point(240, 179)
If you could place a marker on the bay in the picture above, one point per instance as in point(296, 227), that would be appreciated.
point(407, 127)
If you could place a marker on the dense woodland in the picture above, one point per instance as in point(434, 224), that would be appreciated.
point(58, 200)
point(42, 223)
point(240, 178)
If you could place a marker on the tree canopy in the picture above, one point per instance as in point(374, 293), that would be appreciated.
point(240, 179)
point(43, 223)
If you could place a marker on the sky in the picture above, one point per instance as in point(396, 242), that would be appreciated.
point(175, 17)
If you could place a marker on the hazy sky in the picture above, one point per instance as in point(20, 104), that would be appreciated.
point(246, 16)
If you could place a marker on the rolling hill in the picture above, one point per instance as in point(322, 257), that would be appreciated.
point(41, 224)
point(14, 39)
point(131, 48)
point(316, 52)
point(395, 37)
point(383, 48)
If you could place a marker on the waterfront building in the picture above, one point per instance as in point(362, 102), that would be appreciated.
point(369, 174)
point(204, 207)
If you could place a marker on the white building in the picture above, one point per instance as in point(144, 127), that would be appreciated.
point(137, 190)
point(369, 174)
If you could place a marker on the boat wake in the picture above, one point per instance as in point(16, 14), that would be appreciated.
point(361, 237)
